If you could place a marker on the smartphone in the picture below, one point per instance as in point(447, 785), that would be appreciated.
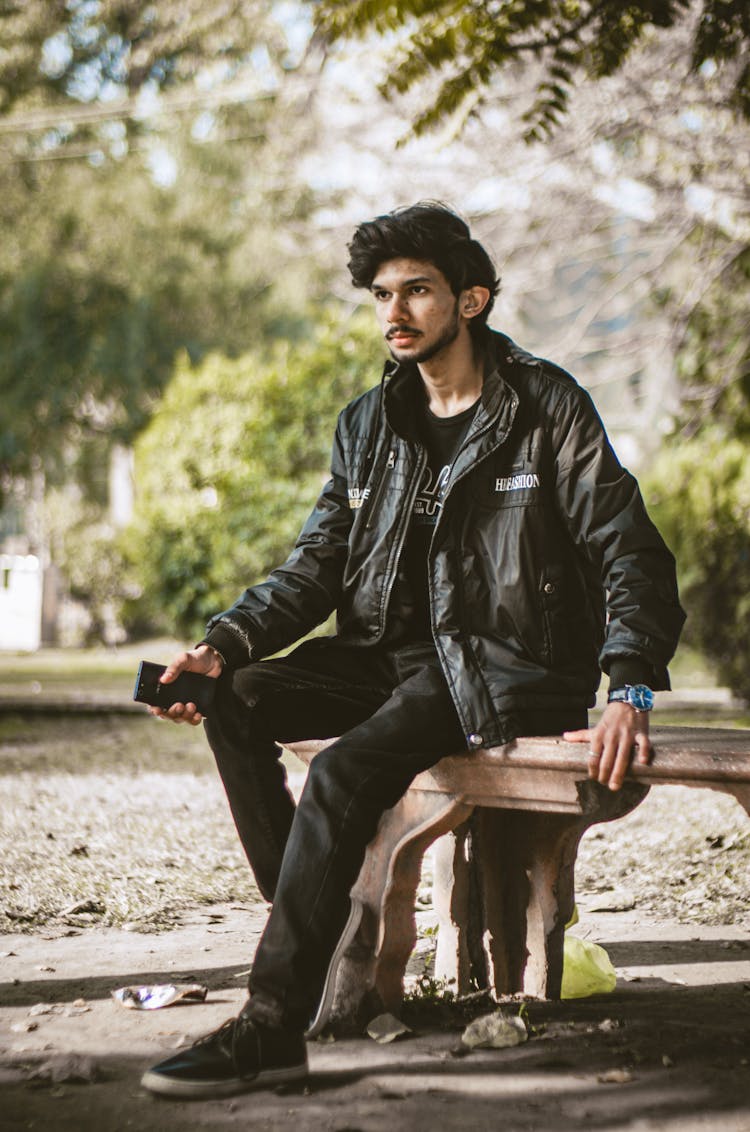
point(188, 688)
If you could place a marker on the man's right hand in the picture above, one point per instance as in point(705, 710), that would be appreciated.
point(201, 659)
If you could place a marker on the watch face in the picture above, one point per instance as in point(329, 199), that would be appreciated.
point(641, 697)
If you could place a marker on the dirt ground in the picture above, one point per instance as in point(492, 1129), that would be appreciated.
point(669, 1049)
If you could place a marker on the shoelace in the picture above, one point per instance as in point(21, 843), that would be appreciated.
point(223, 1031)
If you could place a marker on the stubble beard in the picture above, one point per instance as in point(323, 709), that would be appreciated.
point(445, 339)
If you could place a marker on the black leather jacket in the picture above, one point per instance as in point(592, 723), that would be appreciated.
point(544, 566)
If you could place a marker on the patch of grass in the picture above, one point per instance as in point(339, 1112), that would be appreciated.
point(60, 673)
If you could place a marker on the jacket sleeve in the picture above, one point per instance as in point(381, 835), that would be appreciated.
point(299, 594)
point(602, 505)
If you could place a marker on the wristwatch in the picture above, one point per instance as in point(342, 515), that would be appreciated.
point(638, 696)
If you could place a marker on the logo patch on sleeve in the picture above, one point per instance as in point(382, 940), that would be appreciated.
point(357, 496)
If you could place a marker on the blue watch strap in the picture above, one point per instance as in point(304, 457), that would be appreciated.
point(638, 696)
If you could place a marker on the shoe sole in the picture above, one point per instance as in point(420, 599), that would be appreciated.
point(326, 999)
point(174, 1087)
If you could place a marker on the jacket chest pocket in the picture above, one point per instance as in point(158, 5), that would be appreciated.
point(500, 484)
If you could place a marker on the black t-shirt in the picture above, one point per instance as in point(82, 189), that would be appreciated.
point(442, 437)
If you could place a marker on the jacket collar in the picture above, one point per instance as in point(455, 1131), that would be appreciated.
point(404, 393)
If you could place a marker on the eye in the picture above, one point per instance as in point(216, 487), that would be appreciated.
point(381, 296)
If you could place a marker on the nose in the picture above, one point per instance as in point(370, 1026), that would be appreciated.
point(397, 309)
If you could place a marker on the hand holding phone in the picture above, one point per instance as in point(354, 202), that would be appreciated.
point(187, 688)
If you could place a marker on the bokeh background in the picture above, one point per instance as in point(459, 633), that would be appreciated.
point(178, 182)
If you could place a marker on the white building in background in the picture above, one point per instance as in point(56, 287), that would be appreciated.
point(21, 591)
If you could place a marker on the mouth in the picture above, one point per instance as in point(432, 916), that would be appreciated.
point(402, 335)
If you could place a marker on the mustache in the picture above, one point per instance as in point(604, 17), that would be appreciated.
point(396, 330)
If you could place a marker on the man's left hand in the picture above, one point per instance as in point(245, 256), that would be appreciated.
point(620, 733)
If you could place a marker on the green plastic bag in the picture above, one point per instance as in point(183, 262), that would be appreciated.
point(587, 969)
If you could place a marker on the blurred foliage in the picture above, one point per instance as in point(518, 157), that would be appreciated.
point(88, 553)
point(105, 274)
point(713, 357)
point(464, 45)
point(698, 492)
point(231, 464)
point(699, 486)
point(54, 48)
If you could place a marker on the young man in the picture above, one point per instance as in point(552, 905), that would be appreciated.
point(486, 555)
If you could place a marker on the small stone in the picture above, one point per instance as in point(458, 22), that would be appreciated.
point(386, 1028)
point(495, 1031)
point(70, 1067)
point(615, 1077)
point(613, 901)
point(666, 1061)
point(24, 1027)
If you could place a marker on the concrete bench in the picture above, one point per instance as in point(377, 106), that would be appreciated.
point(509, 821)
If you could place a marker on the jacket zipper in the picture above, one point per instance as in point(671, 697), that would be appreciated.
point(377, 497)
point(399, 538)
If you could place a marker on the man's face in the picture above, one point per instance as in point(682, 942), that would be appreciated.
point(417, 311)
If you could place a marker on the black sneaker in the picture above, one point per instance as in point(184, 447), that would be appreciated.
point(241, 1055)
point(319, 1019)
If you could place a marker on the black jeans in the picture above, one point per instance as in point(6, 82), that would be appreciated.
point(395, 717)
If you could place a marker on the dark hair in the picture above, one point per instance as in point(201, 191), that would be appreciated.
point(429, 231)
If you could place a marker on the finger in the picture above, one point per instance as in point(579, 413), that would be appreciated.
point(177, 665)
point(176, 713)
point(607, 760)
point(622, 762)
point(595, 753)
point(577, 736)
point(645, 748)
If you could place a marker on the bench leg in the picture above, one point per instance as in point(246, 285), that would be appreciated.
point(371, 973)
point(526, 863)
point(451, 900)
point(742, 794)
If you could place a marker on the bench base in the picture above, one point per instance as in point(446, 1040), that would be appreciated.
point(510, 820)
point(503, 889)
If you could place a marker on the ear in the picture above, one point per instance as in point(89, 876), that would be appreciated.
point(473, 301)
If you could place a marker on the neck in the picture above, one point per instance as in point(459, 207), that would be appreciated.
point(453, 378)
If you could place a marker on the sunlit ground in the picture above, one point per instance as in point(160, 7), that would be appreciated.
point(118, 819)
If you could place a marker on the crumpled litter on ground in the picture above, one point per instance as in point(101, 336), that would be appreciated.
point(495, 1031)
point(159, 995)
point(587, 968)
